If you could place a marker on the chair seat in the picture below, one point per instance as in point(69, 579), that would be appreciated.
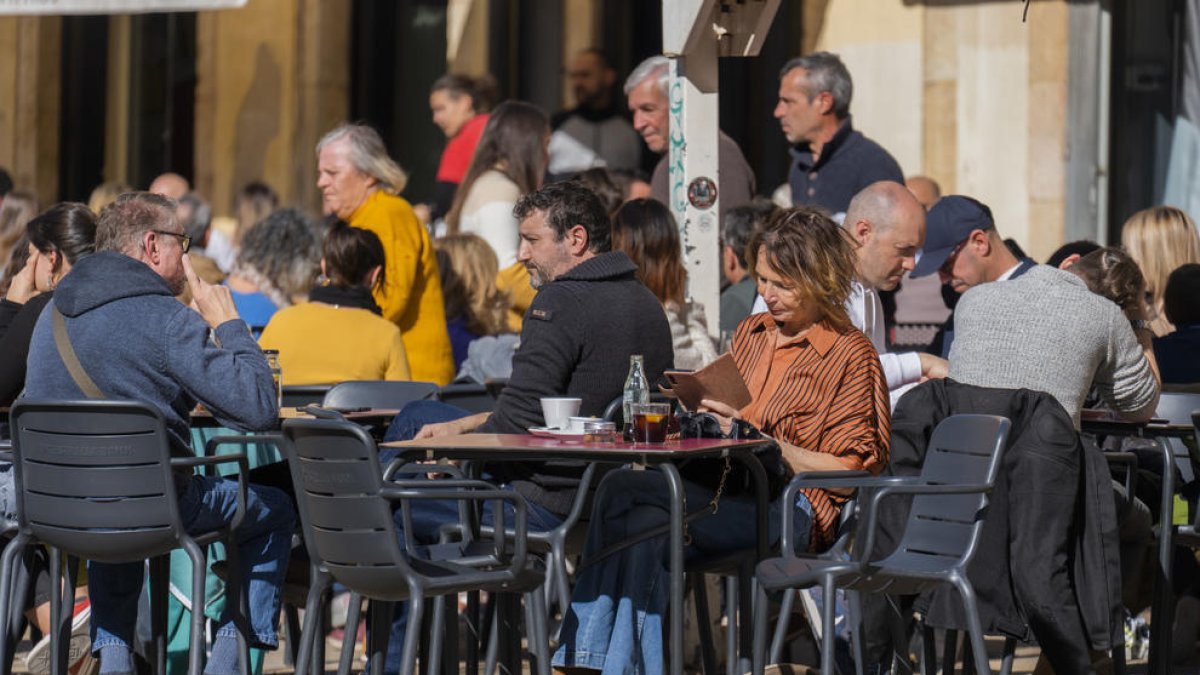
point(787, 572)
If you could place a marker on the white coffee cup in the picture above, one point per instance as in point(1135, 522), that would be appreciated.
point(558, 411)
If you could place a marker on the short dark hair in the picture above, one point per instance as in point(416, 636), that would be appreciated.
point(602, 181)
point(350, 253)
point(741, 222)
point(66, 227)
point(1081, 247)
point(6, 183)
point(1180, 297)
point(567, 204)
point(482, 90)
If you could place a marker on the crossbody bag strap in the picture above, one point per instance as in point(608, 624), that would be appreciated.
point(67, 353)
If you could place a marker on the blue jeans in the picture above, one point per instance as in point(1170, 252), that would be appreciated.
point(615, 623)
point(264, 543)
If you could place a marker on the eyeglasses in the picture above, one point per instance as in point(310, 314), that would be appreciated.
point(185, 242)
point(948, 266)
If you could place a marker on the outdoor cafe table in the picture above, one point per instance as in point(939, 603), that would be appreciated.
point(497, 448)
point(1104, 423)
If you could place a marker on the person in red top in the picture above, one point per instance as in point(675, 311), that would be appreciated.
point(817, 389)
point(459, 105)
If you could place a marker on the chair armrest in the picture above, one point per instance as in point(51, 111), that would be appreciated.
point(469, 490)
point(910, 488)
point(399, 465)
point(822, 479)
point(322, 413)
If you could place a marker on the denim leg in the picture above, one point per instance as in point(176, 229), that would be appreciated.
point(114, 590)
point(428, 517)
point(264, 543)
point(417, 414)
point(615, 622)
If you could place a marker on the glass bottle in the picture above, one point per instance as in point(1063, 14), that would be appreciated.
point(276, 373)
point(637, 390)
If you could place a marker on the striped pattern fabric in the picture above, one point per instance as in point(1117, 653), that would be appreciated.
point(823, 391)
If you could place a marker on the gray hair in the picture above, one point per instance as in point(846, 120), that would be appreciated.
point(825, 72)
point(280, 254)
point(133, 214)
point(368, 154)
point(655, 66)
point(199, 216)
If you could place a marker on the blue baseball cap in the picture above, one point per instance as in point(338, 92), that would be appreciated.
point(951, 220)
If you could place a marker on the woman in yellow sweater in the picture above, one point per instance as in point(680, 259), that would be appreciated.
point(360, 184)
point(338, 334)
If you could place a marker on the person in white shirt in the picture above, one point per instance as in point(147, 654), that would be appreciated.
point(888, 225)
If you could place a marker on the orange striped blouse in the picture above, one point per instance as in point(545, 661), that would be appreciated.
point(824, 391)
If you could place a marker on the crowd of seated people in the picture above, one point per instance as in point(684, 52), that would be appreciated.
point(555, 286)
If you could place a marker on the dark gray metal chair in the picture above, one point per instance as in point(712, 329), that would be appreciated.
point(949, 503)
point(470, 396)
point(95, 480)
point(346, 508)
point(377, 394)
point(298, 395)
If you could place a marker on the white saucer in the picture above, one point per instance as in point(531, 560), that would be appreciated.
point(557, 434)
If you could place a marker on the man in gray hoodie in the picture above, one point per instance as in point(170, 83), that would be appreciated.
point(136, 341)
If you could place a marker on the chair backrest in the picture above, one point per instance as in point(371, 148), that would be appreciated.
point(348, 526)
point(470, 396)
point(299, 395)
point(1177, 408)
point(964, 450)
point(94, 478)
point(377, 394)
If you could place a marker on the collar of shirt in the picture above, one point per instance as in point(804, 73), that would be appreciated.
point(803, 151)
point(1009, 273)
point(820, 336)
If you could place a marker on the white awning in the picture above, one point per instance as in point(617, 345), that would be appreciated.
point(31, 7)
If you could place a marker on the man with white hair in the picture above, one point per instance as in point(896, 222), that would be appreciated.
point(646, 89)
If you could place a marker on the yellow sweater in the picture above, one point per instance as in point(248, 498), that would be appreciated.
point(412, 296)
point(323, 344)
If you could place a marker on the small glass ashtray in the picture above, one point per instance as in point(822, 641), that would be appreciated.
point(599, 431)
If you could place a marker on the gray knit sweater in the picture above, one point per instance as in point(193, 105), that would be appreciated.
point(1046, 331)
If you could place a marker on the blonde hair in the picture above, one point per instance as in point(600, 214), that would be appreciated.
point(468, 268)
point(105, 194)
point(1160, 239)
point(16, 211)
point(369, 155)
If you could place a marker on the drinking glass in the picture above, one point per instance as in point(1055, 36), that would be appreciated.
point(650, 422)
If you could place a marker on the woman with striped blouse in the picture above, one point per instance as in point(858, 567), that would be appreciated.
point(817, 389)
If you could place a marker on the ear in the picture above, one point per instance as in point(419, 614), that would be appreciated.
point(577, 240)
point(824, 102)
point(372, 276)
point(323, 272)
point(861, 231)
point(1069, 260)
point(55, 259)
point(981, 242)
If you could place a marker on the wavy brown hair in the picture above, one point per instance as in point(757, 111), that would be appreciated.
point(808, 249)
point(1112, 273)
point(468, 268)
point(646, 231)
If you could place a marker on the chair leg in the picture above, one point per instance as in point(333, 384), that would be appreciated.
point(412, 636)
point(379, 620)
point(199, 568)
point(928, 650)
point(745, 610)
point(762, 609)
point(493, 643)
point(7, 596)
point(732, 592)
point(708, 656)
point(437, 633)
point(1118, 656)
point(350, 636)
point(1010, 648)
point(474, 637)
point(160, 579)
point(950, 652)
point(559, 561)
point(781, 626)
point(58, 656)
point(828, 607)
point(854, 602)
point(241, 598)
point(975, 635)
point(309, 633)
point(535, 632)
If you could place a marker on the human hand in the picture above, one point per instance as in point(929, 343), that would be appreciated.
point(423, 213)
point(439, 429)
point(724, 412)
point(933, 367)
point(22, 287)
point(214, 303)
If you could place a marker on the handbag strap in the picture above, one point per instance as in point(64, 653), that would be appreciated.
point(67, 353)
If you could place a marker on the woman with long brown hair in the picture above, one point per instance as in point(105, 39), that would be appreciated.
point(645, 230)
point(510, 161)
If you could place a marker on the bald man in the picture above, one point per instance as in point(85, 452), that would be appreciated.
point(170, 185)
point(925, 189)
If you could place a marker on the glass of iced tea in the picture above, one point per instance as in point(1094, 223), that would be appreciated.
point(650, 422)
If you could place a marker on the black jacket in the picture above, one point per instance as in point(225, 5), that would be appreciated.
point(1047, 564)
point(576, 341)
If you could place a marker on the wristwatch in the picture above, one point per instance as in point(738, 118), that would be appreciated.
point(1139, 324)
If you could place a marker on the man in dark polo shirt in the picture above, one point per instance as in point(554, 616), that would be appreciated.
point(831, 162)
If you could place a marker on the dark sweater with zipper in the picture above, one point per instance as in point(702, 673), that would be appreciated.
point(576, 341)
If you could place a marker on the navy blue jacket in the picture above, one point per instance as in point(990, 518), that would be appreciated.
point(848, 163)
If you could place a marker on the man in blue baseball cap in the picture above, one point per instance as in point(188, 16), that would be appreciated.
point(964, 248)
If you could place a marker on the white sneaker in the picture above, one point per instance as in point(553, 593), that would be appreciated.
point(79, 655)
